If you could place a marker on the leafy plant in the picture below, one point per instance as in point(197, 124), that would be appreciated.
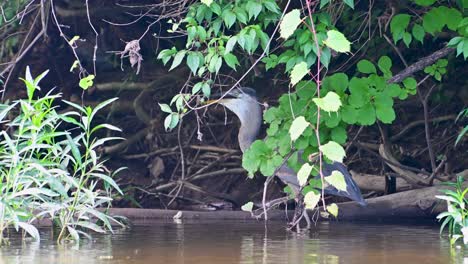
point(455, 218)
point(46, 171)
point(437, 69)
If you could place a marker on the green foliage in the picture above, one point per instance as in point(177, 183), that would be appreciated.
point(456, 216)
point(45, 171)
point(437, 69)
point(433, 22)
point(314, 116)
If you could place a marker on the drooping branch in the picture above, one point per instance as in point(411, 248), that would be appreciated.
point(421, 64)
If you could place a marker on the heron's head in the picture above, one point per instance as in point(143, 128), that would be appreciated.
point(242, 97)
point(243, 103)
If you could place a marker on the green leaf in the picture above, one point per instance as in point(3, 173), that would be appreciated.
point(178, 59)
point(253, 8)
point(461, 134)
point(297, 127)
point(289, 23)
point(325, 57)
point(337, 82)
point(206, 89)
point(393, 90)
point(304, 173)
point(230, 44)
point(231, 60)
point(452, 17)
point(359, 92)
point(330, 103)
point(229, 18)
point(333, 151)
point(385, 64)
point(410, 83)
point(311, 199)
point(298, 72)
point(86, 82)
point(171, 121)
point(197, 87)
point(30, 229)
point(385, 114)
point(337, 41)
point(365, 66)
point(349, 114)
point(247, 207)
point(333, 209)
point(418, 33)
point(339, 135)
point(165, 108)
point(323, 3)
point(398, 26)
point(240, 14)
point(337, 180)
point(193, 62)
point(433, 21)
point(407, 39)
point(366, 115)
point(207, 2)
point(350, 3)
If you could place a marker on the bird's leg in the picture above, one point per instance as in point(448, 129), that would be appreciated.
point(307, 218)
point(298, 215)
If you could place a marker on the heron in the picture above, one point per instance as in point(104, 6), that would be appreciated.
point(243, 103)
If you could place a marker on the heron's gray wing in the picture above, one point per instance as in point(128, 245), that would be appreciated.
point(289, 177)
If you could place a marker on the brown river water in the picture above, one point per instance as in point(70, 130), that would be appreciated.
point(207, 242)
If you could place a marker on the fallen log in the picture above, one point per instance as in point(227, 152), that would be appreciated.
point(412, 204)
point(371, 182)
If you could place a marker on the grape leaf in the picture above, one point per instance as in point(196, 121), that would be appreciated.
point(289, 23)
point(297, 127)
point(337, 41)
point(333, 151)
point(298, 72)
point(303, 173)
point(329, 103)
point(337, 180)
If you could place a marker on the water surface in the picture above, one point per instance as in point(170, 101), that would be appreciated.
point(246, 242)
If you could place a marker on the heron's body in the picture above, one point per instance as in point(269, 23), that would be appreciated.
point(248, 110)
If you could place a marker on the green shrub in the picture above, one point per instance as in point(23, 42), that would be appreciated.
point(50, 166)
point(456, 216)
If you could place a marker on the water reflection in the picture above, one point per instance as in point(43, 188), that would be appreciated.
point(235, 242)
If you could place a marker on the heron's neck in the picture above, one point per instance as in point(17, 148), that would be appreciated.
point(251, 120)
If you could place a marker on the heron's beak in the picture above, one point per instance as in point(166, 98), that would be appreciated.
point(219, 98)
